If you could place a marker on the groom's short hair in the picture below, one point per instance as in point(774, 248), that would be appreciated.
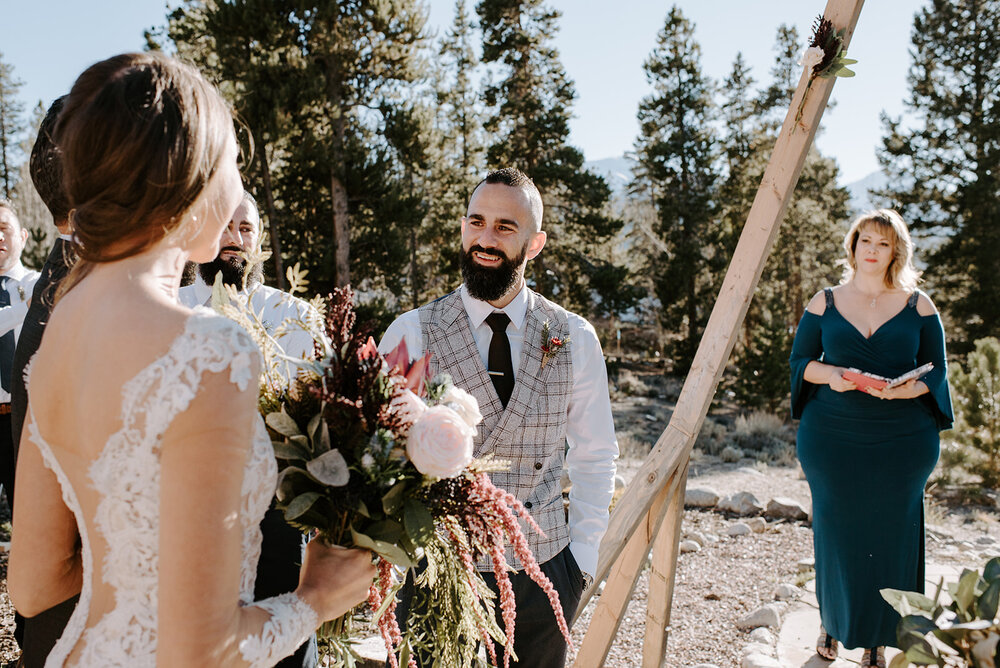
point(46, 165)
point(515, 178)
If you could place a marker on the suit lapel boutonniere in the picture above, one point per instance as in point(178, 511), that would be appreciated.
point(551, 345)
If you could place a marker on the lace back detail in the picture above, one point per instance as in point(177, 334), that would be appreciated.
point(126, 476)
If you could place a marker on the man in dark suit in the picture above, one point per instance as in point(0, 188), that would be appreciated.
point(41, 631)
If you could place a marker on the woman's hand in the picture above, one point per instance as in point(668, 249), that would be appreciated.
point(837, 382)
point(908, 390)
point(334, 579)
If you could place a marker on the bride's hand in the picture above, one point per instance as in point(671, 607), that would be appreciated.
point(837, 381)
point(334, 579)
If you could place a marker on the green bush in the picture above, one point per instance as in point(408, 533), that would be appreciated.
point(962, 633)
point(765, 437)
point(976, 399)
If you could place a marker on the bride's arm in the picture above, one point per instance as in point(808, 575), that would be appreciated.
point(201, 621)
point(45, 565)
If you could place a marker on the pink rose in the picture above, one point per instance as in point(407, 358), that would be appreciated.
point(408, 406)
point(440, 443)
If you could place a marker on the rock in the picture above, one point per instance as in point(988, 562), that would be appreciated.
point(739, 529)
point(705, 665)
point(787, 592)
point(757, 648)
point(759, 661)
point(689, 546)
point(986, 540)
point(805, 565)
point(748, 469)
point(696, 537)
point(762, 635)
point(372, 652)
point(4, 547)
point(783, 508)
point(765, 616)
point(743, 504)
point(619, 483)
point(757, 524)
point(701, 497)
point(711, 538)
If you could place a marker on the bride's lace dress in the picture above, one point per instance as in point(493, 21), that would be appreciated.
point(123, 534)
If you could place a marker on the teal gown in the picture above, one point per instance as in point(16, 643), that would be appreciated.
point(867, 461)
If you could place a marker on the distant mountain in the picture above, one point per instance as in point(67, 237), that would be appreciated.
point(861, 200)
point(616, 171)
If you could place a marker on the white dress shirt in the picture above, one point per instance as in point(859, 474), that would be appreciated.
point(590, 429)
point(274, 306)
point(19, 284)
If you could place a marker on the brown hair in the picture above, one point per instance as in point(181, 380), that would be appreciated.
point(141, 136)
point(46, 165)
point(900, 273)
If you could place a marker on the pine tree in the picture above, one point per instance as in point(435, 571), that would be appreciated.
point(458, 151)
point(977, 410)
point(530, 107)
point(677, 171)
point(943, 161)
point(11, 127)
point(32, 213)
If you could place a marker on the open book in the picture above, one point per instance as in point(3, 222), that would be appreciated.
point(864, 380)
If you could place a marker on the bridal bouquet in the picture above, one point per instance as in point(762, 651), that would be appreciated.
point(374, 454)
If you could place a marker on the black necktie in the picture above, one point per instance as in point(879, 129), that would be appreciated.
point(501, 368)
point(7, 341)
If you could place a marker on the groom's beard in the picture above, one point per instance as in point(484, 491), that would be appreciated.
point(491, 283)
point(232, 270)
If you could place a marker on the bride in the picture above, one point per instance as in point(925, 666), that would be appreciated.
point(146, 468)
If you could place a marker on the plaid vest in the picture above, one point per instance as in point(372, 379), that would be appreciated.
point(530, 432)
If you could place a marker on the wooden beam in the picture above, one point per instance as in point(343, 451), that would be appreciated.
point(662, 574)
point(616, 596)
point(673, 448)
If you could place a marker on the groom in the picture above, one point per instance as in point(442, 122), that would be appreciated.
point(538, 373)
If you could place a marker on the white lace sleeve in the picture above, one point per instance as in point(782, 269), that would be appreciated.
point(292, 622)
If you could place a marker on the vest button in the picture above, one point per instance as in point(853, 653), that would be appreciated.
point(538, 466)
point(527, 504)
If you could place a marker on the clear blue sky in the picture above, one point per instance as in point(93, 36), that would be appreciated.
point(49, 42)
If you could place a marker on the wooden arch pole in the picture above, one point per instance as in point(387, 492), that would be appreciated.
point(648, 516)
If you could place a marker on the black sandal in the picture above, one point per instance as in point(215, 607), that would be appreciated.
point(826, 647)
point(873, 658)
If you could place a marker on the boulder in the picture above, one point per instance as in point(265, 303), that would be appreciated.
point(805, 565)
point(743, 504)
point(757, 648)
point(701, 497)
point(787, 592)
point(767, 615)
point(689, 546)
point(696, 537)
point(762, 635)
point(783, 508)
point(372, 652)
point(757, 524)
point(739, 529)
point(759, 661)
point(986, 540)
point(619, 483)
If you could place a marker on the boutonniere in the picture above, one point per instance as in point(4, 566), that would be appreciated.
point(20, 292)
point(551, 345)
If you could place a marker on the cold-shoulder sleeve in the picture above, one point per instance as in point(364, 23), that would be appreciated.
point(807, 347)
point(931, 349)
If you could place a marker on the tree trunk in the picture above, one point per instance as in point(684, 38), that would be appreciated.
point(272, 216)
point(341, 233)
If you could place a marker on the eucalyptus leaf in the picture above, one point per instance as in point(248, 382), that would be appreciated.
point(390, 552)
point(845, 72)
point(319, 433)
point(293, 481)
point(282, 423)
point(299, 439)
point(387, 601)
point(992, 570)
point(418, 521)
point(289, 450)
point(393, 499)
point(895, 598)
point(988, 603)
point(330, 469)
point(300, 505)
point(899, 661)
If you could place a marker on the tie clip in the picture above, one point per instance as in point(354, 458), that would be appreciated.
point(495, 373)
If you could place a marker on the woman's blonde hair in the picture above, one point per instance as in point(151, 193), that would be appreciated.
point(141, 136)
point(900, 273)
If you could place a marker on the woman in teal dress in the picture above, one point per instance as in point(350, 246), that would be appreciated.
point(867, 454)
